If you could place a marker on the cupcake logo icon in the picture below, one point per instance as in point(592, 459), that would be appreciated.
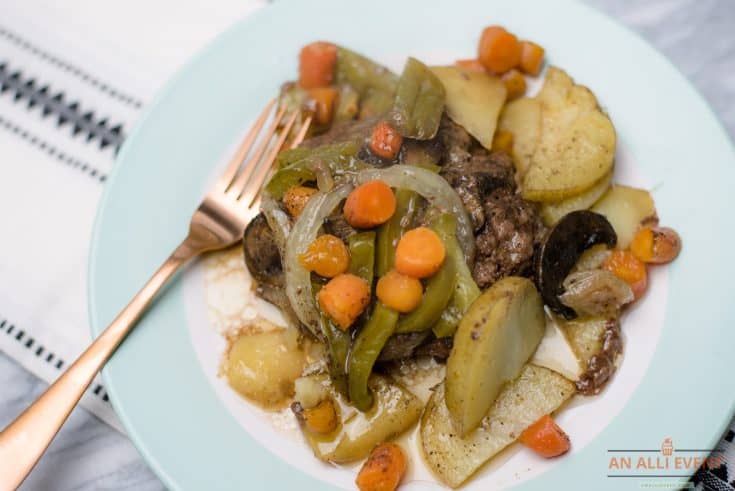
point(667, 447)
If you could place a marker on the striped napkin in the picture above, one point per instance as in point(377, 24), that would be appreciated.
point(66, 106)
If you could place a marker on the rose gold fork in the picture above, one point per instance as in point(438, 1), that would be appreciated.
point(219, 222)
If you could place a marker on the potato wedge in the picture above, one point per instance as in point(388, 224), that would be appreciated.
point(473, 100)
point(553, 212)
point(394, 411)
point(576, 146)
point(626, 208)
point(522, 118)
point(585, 336)
point(495, 338)
point(536, 392)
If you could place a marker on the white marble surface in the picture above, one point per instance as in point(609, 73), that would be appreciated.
point(697, 35)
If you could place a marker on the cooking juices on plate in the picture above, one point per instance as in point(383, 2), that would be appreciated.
point(441, 213)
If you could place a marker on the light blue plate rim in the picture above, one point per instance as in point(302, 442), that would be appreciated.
point(154, 380)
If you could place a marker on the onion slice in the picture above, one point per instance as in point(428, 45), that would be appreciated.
point(435, 189)
point(303, 233)
point(278, 221)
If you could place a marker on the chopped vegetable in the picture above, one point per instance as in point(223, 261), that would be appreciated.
point(363, 74)
point(553, 212)
point(399, 292)
point(472, 64)
point(295, 199)
point(562, 247)
point(344, 298)
point(420, 253)
point(385, 141)
point(419, 102)
point(304, 231)
point(370, 204)
point(473, 100)
point(657, 245)
point(375, 103)
point(465, 291)
point(503, 141)
point(596, 292)
point(300, 165)
point(499, 50)
point(439, 290)
point(532, 58)
point(383, 470)
point(327, 256)
point(629, 268)
point(323, 98)
point(370, 341)
point(338, 347)
point(322, 418)
point(348, 103)
point(546, 438)
point(626, 208)
point(515, 84)
point(316, 64)
point(495, 339)
point(394, 411)
point(362, 255)
point(391, 231)
point(522, 117)
point(435, 189)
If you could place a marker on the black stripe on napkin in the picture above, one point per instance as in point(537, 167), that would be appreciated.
point(83, 75)
point(52, 150)
point(30, 343)
point(53, 104)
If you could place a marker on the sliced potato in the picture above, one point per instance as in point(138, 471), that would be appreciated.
point(473, 100)
point(585, 336)
point(394, 411)
point(553, 212)
point(495, 338)
point(535, 393)
point(556, 353)
point(576, 146)
point(626, 208)
point(522, 118)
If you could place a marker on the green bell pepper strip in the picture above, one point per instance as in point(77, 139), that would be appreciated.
point(368, 345)
point(439, 290)
point(348, 103)
point(465, 289)
point(363, 74)
point(362, 255)
point(338, 346)
point(375, 103)
point(339, 157)
point(391, 231)
point(419, 102)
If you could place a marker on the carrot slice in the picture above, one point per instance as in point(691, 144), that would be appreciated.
point(628, 268)
point(323, 98)
point(383, 470)
point(399, 292)
point(370, 204)
point(546, 438)
point(420, 253)
point(515, 84)
point(344, 298)
point(385, 141)
point(316, 64)
point(532, 58)
point(472, 64)
point(499, 50)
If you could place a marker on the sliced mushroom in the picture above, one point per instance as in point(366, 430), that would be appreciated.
point(560, 250)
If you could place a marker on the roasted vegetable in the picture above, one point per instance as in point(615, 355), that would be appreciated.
point(576, 144)
point(385, 141)
point(598, 343)
point(391, 231)
point(368, 344)
point(546, 438)
point(656, 245)
point(338, 347)
point(300, 165)
point(522, 118)
point(473, 100)
point(394, 411)
point(399, 292)
point(375, 84)
point(560, 250)
point(553, 212)
point(362, 255)
point(420, 253)
point(439, 290)
point(344, 298)
point(348, 103)
point(465, 289)
point(495, 338)
point(535, 393)
point(383, 470)
point(627, 209)
point(370, 204)
point(419, 102)
point(262, 365)
point(595, 292)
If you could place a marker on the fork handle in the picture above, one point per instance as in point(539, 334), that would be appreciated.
point(24, 440)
